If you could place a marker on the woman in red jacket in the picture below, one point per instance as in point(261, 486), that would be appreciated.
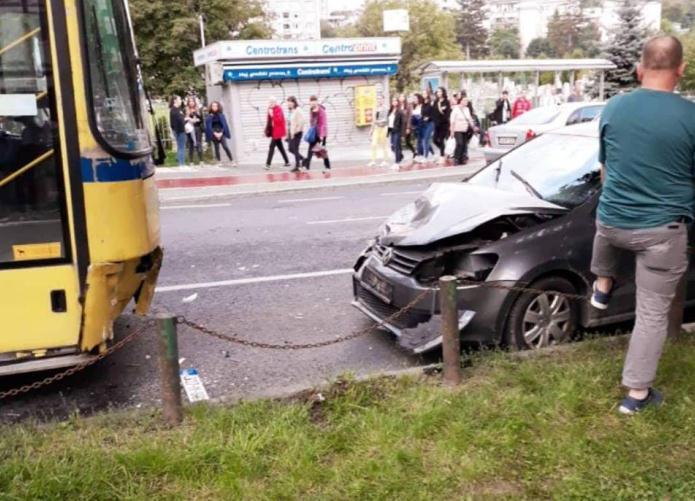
point(276, 130)
point(521, 105)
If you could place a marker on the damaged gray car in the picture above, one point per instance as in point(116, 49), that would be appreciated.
point(526, 219)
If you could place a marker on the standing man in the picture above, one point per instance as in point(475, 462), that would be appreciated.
point(503, 110)
point(647, 153)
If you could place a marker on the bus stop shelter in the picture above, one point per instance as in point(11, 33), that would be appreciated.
point(437, 73)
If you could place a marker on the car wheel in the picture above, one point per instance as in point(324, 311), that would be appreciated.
point(537, 320)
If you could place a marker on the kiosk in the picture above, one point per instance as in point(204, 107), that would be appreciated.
point(349, 76)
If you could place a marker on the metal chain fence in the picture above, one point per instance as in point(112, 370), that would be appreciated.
point(76, 368)
point(233, 338)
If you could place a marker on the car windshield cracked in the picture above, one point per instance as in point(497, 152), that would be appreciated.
point(562, 168)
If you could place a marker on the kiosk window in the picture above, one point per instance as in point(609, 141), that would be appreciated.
point(32, 221)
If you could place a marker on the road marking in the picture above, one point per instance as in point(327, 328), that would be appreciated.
point(255, 280)
point(199, 206)
point(299, 200)
point(397, 193)
point(349, 220)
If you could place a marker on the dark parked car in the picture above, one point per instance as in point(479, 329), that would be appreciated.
point(527, 218)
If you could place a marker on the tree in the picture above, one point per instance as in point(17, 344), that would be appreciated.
point(624, 48)
point(505, 43)
point(540, 48)
point(471, 32)
point(167, 33)
point(571, 31)
point(431, 34)
point(688, 82)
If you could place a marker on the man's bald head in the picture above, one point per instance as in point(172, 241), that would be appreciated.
point(662, 53)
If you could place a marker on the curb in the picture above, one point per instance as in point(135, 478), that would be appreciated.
point(180, 180)
point(219, 191)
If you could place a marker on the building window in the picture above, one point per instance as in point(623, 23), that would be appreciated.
point(286, 15)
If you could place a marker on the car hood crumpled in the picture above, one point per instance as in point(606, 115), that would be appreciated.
point(448, 209)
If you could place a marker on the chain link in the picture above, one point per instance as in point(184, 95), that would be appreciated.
point(287, 346)
point(76, 368)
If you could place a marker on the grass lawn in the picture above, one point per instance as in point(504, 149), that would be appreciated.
point(537, 427)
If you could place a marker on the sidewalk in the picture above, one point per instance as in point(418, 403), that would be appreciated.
point(214, 180)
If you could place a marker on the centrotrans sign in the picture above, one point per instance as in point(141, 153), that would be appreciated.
point(313, 71)
point(297, 49)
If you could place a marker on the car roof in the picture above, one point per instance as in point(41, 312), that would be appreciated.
point(587, 129)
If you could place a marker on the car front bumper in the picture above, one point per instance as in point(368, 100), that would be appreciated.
point(419, 328)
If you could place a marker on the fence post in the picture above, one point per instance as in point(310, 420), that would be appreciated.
point(451, 341)
point(169, 379)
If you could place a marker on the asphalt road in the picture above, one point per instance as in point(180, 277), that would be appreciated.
point(271, 268)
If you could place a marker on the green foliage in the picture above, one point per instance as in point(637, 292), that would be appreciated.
point(540, 48)
point(572, 33)
point(168, 32)
point(431, 35)
point(679, 11)
point(538, 427)
point(688, 82)
point(505, 43)
point(471, 32)
point(624, 48)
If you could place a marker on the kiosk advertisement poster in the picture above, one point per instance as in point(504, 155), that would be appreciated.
point(365, 104)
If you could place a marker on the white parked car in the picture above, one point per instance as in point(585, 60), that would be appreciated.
point(502, 138)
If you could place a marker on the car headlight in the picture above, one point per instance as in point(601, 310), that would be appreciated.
point(475, 266)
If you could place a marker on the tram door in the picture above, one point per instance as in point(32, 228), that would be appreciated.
point(39, 285)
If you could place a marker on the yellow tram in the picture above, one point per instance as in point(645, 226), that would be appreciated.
point(79, 216)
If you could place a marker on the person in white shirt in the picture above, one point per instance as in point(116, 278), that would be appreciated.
point(461, 125)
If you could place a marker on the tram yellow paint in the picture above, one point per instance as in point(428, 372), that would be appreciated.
point(76, 245)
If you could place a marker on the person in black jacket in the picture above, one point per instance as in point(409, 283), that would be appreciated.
point(442, 112)
point(177, 122)
point(428, 123)
point(503, 110)
point(396, 118)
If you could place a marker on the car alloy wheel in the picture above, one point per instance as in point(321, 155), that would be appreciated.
point(547, 320)
point(537, 320)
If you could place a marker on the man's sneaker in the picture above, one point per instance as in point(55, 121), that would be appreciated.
point(601, 300)
point(630, 406)
point(267, 167)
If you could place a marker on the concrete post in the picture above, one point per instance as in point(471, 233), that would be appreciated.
point(602, 85)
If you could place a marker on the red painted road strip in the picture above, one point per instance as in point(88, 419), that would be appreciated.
point(275, 177)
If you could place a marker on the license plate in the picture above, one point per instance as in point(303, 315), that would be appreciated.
point(377, 285)
point(506, 141)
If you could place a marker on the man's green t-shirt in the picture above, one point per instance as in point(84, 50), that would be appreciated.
point(648, 148)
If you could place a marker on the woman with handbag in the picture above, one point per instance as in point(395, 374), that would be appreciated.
point(217, 131)
point(296, 131)
point(317, 134)
point(276, 130)
point(194, 129)
point(461, 124)
point(395, 120)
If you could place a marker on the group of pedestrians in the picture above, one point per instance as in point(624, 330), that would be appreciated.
point(431, 126)
point(191, 121)
point(314, 132)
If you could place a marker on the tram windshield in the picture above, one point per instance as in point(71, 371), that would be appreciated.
point(116, 92)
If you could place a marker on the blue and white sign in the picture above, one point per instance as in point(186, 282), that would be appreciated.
point(240, 50)
point(314, 71)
